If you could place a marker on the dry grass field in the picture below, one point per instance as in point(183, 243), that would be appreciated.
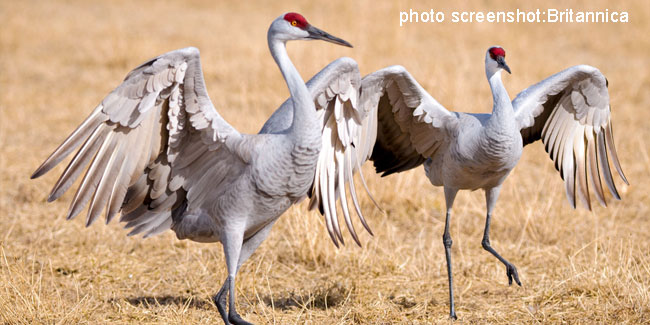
point(59, 58)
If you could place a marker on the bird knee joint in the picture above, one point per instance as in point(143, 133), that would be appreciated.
point(446, 240)
point(485, 243)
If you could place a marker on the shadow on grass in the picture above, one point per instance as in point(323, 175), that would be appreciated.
point(320, 298)
point(155, 301)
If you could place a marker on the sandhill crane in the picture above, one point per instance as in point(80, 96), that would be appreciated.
point(165, 158)
point(568, 111)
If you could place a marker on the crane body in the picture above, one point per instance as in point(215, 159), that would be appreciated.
point(162, 156)
point(569, 112)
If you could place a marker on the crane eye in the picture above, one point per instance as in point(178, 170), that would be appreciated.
point(294, 23)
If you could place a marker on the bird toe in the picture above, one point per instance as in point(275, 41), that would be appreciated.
point(512, 274)
point(235, 319)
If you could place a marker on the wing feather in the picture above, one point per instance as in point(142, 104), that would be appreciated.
point(135, 195)
point(580, 163)
point(412, 125)
point(570, 113)
point(91, 179)
point(105, 186)
point(611, 149)
point(592, 162)
point(344, 202)
point(77, 165)
point(132, 140)
point(353, 193)
point(604, 165)
point(118, 194)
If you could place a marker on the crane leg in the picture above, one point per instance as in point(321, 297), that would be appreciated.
point(450, 195)
point(232, 246)
point(491, 196)
point(253, 242)
point(247, 249)
point(220, 301)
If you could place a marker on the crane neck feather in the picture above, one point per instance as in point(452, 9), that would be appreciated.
point(304, 115)
point(502, 107)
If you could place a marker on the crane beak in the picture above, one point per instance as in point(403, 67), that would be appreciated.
point(315, 33)
point(501, 61)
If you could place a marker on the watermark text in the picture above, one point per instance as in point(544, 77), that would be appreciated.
point(519, 16)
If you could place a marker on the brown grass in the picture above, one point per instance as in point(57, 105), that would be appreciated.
point(59, 58)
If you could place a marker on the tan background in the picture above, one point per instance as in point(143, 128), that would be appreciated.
point(59, 58)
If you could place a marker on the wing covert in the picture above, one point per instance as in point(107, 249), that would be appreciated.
point(412, 125)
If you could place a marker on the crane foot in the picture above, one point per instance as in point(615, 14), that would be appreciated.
point(235, 319)
point(220, 301)
point(511, 271)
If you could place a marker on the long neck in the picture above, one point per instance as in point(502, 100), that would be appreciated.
point(304, 113)
point(502, 108)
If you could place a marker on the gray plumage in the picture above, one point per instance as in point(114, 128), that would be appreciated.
point(163, 157)
point(346, 129)
point(568, 111)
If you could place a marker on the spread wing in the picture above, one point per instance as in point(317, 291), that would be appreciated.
point(412, 125)
point(570, 112)
point(386, 117)
point(152, 146)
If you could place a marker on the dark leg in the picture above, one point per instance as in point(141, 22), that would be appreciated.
point(247, 249)
point(491, 196)
point(220, 301)
point(450, 195)
point(233, 316)
point(232, 245)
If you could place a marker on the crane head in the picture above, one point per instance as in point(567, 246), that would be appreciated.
point(495, 59)
point(293, 26)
